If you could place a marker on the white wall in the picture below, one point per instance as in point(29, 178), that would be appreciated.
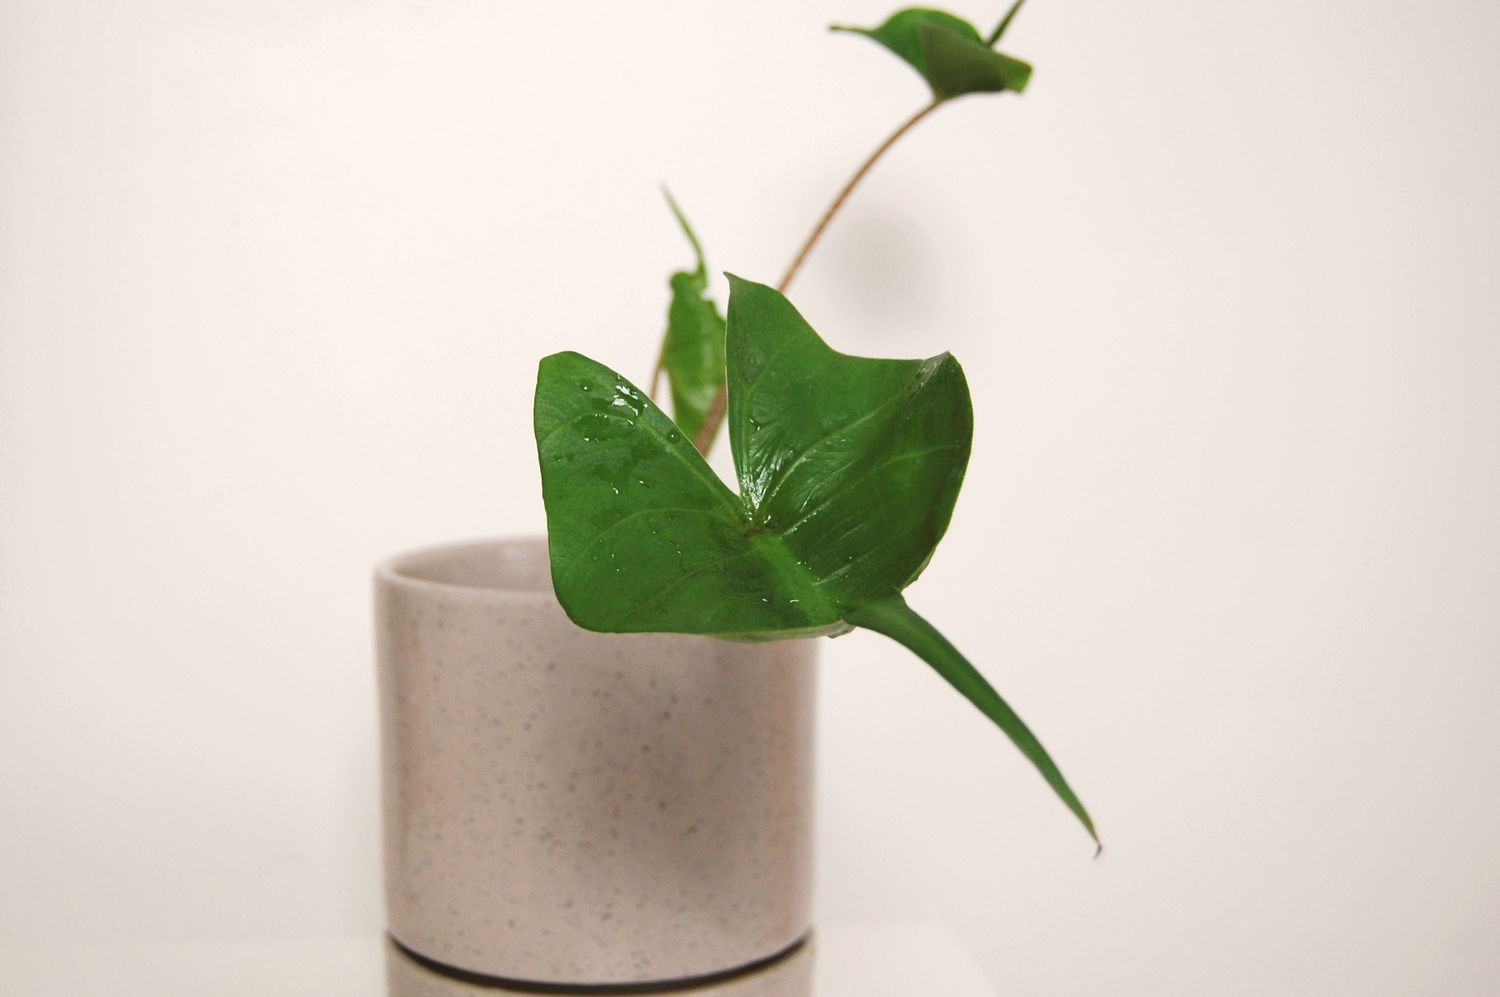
point(274, 276)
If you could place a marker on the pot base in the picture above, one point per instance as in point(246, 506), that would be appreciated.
point(785, 974)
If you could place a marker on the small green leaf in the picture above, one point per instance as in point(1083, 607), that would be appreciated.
point(692, 352)
point(948, 52)
point(848, 468)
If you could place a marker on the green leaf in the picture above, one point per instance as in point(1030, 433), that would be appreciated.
point(692, 351)
point(898, 621)
point(948, 52)
point(848, 468)
point(644, 537)
point(855, 462)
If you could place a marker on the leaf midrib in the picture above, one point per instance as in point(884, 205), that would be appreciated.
point(786, 472)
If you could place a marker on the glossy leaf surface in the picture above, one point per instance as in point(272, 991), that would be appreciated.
point(854, 462)
point(692, 352)
point(848, 467)
point(948, 52)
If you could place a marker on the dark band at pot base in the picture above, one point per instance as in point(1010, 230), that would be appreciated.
point(679, 985)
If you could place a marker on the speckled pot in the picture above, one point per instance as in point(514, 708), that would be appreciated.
point(577, 808)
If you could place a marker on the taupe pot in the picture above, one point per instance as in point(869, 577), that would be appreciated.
point(569, 807)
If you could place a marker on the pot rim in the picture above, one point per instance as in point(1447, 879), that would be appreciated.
point(399, 570)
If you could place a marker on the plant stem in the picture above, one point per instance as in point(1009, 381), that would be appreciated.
point(999, 31)
point(838, 202)
point(656, 378)
point(715, 413)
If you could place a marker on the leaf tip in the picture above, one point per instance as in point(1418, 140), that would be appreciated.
point(687, 229)
point(553, 359)
point(745, 289)
point(666, 192)
point(1093, 832)
point(736, 281)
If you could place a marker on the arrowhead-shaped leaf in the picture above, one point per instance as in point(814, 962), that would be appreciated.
point(692, 352)
point(948, 52)
point(848, 469)
point(854, 462)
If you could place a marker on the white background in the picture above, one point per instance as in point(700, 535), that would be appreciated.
point(274, 277)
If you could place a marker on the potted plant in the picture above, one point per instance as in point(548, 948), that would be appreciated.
point(622, 794)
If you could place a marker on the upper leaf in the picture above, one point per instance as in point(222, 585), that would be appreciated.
point(948, 52)
point(855, 462)
point(692, 351)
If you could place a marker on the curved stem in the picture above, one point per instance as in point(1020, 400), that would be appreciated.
point(715, 414)
point(711, 420)
point(843, 195)
point(661, 368)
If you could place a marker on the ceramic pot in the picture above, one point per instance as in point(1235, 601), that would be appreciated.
point(567, 807)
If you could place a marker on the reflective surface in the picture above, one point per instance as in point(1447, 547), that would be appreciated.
point(789, 976)
point(841, 961)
